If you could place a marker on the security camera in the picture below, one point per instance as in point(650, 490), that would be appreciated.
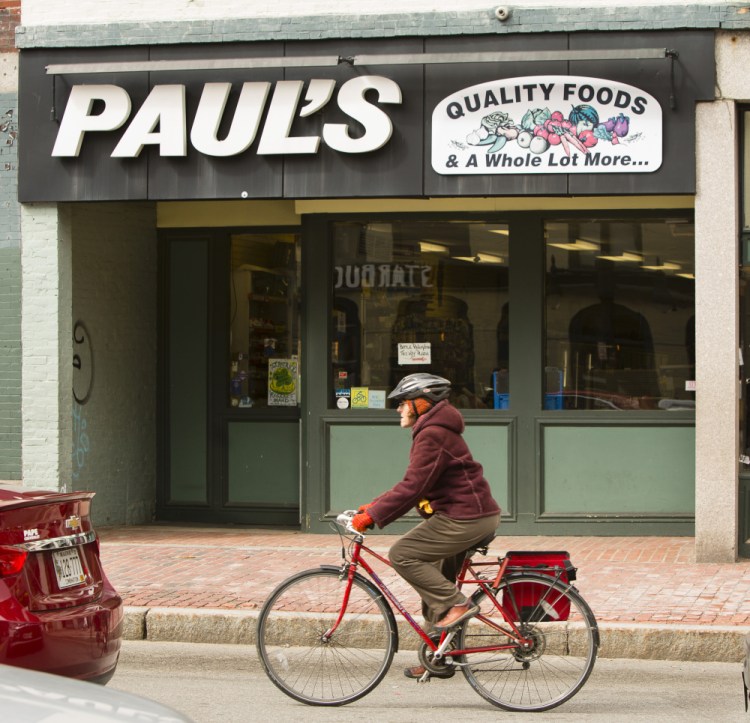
point(502, 12)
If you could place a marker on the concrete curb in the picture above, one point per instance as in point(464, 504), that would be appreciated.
point(694, 643)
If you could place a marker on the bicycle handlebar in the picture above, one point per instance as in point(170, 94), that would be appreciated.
point(344, 519)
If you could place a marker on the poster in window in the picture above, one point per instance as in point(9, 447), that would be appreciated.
point(282, 382)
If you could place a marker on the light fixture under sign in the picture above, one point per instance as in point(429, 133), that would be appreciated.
point(666, 266)
point(577, 245)
point(482, 258)
point(321, 61)
point(626, 256)
point(427, 247)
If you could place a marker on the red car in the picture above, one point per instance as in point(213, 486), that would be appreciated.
point(58, 611)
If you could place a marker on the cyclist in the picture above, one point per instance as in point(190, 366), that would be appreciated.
point(449, 490)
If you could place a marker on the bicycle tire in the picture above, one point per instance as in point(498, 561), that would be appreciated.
point(562, 654)
point(298, 660)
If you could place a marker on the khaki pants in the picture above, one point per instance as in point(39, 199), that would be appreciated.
point(430, 556)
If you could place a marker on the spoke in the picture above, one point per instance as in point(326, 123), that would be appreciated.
point(341, 669)
point(545, 673)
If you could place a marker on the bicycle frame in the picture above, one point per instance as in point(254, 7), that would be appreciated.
point(356, 560)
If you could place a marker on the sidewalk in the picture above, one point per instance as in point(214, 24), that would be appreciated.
point(206, 584)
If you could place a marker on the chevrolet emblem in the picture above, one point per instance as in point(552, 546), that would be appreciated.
point(73, 522)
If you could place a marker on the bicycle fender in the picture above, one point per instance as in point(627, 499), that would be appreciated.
point(560, 585)
point(376, 590)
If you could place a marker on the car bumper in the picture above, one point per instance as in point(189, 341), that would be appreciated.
point(82, 642)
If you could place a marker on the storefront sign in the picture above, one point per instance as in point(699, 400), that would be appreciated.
point(162, 119)
point(547, 124)
point(392, 132)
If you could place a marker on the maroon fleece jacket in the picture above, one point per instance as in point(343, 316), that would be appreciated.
point(440, 469)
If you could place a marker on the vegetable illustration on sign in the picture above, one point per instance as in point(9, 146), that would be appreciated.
point(282, 382)
point(557, 124)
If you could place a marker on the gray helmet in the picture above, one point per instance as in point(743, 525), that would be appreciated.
point(421, 384)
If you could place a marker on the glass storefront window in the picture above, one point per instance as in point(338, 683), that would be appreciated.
point(420, 296)
point(620, 314)
point(264, 320)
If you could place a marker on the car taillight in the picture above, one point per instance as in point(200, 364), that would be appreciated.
point(11, 560)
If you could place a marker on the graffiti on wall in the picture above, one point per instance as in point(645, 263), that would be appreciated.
point(9, 131)
point(83, 363)
point(83, 382)
point(81, 444)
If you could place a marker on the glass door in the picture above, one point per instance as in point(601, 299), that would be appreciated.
point(263, 385)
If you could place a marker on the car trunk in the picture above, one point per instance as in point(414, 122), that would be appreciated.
point(62, 565)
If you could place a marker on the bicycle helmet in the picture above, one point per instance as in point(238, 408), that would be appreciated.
point(421, 384)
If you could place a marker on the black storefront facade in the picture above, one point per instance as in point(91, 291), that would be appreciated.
point(514, 214)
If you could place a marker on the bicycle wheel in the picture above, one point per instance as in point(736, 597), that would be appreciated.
point(563, 642)
point(302, 662)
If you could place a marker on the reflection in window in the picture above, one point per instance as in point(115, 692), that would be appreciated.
point(620, 323)
point(413, 296)
point(264, 321)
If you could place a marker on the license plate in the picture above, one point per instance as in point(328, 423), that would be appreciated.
point(68, 568)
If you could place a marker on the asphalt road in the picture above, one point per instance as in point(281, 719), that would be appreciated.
point(225, 683)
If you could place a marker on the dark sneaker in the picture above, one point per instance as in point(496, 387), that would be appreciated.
point(418, 671)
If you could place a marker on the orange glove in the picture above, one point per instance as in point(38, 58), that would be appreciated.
point(365, 507)
point(362, 522)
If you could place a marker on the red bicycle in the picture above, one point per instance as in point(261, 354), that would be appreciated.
point(327, 636)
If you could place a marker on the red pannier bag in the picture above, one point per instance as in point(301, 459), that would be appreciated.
point(553, 607)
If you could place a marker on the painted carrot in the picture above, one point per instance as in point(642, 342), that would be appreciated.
point(577, 143)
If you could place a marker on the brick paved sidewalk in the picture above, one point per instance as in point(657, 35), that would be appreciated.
point(624, 579)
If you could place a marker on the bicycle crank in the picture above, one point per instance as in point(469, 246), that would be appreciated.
point(444, 662)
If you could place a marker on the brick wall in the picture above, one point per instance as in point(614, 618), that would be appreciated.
point(114, 295)
point(89, 23)
point(10, 17)
point(45, 300)
point(45, 12)
point(95, 264)
point(10, 294)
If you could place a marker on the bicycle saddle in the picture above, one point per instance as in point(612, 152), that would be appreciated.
point(482, 545)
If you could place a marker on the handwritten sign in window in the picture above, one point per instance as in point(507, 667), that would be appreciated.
point(414, 353)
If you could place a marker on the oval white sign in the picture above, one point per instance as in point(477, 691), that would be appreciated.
point(547, 124)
